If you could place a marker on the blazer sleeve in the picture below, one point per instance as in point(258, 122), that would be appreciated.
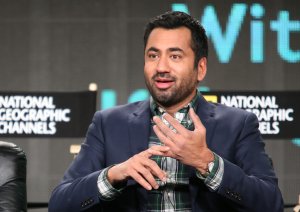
point(250, 181)
point(78, 189)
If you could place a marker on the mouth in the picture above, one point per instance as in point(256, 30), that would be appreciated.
point(163, 83)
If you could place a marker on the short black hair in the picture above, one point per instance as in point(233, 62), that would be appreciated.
point(173, 20)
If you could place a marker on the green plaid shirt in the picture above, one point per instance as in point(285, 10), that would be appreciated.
point(172, 195)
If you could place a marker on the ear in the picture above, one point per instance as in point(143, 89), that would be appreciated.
point(202, 68)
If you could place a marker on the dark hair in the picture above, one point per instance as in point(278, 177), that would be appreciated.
point(173, 20)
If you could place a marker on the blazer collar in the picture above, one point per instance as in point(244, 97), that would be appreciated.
point(206, 113)
point(139, 128)
point(139, 131)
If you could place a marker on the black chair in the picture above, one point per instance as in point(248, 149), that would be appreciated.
point(13, 196)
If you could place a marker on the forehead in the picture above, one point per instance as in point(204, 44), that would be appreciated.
point(162, 38)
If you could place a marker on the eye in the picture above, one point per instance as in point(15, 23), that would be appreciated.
point(176, 57)
point(152, 55)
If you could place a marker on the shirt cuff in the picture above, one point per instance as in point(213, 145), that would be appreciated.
point(214, 179)
point(106, 190)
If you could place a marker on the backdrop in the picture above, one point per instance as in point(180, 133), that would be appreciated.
point(63, 45)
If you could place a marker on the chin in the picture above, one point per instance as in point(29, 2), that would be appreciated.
point(164, 100)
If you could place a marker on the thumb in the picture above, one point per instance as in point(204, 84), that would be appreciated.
point(195, 118)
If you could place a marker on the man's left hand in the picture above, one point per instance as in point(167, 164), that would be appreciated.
point(187, 146)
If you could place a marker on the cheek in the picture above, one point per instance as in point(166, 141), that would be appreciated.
point(188, 76)
point(148, 69)
point(147, 74)
point(183, 72)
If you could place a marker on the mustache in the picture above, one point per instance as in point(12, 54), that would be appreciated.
point(165, 76)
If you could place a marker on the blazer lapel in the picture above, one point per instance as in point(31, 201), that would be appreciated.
point(139, 132)
point(206, 113)
point(139, 128)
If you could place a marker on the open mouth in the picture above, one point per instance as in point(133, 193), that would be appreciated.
point(163, 83)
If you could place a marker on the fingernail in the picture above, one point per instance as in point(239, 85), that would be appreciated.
point(164, 179)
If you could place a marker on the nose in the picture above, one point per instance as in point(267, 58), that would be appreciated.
point(163, 65)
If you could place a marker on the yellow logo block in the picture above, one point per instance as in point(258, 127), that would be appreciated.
point(211, 98)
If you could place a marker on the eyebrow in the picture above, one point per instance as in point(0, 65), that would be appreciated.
point(175, 49)
point(152, 49)
point(172, 49)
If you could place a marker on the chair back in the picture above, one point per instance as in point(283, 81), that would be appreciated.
point(13, 196)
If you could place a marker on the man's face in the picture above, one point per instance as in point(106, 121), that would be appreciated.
point(169, 69)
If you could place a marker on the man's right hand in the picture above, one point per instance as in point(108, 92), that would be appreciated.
point(140, 168)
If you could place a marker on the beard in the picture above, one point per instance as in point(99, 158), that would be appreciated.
point(175, 94)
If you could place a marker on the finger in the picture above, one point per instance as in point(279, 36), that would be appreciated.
point(163, 154)
point(163, 138)
point(140, 180)
point(176, 137)
point(155, 150)
point(141, 169)
point(164, 128)
point(178, 127)
point(148, 174)
point(146, 153)
point(158, 150)
point(152, 167)
point(197, 122)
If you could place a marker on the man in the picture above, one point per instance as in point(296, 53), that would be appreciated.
point(175, 152)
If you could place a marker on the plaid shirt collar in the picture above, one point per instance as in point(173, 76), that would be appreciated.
point(156, 110)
